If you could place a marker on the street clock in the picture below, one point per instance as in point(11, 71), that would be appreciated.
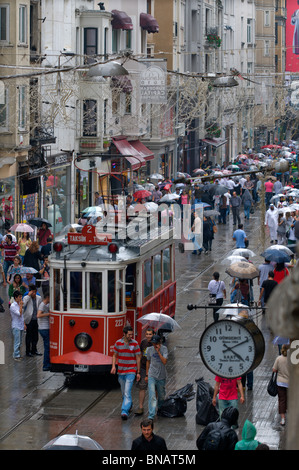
point(232, 347)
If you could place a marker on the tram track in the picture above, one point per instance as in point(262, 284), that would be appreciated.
point(20, 426)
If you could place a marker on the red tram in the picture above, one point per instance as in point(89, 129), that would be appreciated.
point(98, 284)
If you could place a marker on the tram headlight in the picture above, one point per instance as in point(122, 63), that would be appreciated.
point(83, 341)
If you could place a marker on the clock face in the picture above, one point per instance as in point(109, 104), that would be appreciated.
point(227, 348)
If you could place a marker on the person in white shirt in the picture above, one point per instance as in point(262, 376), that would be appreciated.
point(217, 289)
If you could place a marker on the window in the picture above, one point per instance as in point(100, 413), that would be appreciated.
point(129, 39)
point(249, 30)
point(4, 111)
point(89, 118)
point(267, 48)
point(90, 44)
point(56, 290)
point(157, 272)
point(111, 291)
point(166, 265)
point(95, 291)
point(23, 24)
point(22, 107)
point(267, 18)
point(249, 72)
point(115, 41)
point(147, 277)
point(4, 23)
point(128, 103)
point(75, 289)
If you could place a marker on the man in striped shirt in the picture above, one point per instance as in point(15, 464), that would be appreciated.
point(11, 249)
point(128, 353)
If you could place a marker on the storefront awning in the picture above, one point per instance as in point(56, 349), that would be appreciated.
point(142, 149)
point(121, 20)
point(123, 83)
point(217, 142)
point(132, 155)
point(149, 23)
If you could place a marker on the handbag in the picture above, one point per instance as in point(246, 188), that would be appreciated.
point(272, 385)
point(213, 300)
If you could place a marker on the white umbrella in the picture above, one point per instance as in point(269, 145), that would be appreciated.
point(232, 259)
point(169, 197)
point(159, 321)
point(151, 206)
point(242, 252)
point(21, 228)
point(72, 442)
point(234, 310)
point(156, 176)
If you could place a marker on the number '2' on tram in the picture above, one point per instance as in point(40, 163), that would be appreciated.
point(99, 285)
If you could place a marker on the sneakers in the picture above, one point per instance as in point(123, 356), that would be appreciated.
point(124, 417)
point(139, 412)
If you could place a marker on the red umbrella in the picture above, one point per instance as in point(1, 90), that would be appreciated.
point(271, 146)
point(141, 194)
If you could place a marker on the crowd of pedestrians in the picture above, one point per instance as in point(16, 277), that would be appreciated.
point(26, 277)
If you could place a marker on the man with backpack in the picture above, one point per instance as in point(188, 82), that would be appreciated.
point(219, 435)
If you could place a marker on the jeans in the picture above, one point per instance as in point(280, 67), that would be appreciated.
point(222, 216)
point(126, 384)
point(6, 265)
point(45, 334)
point(247, 211)
point(222, 404)
point(17, 341)
point(153, 385)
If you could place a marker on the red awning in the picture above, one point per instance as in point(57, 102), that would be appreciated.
point(141, 148)
point(129, 152)
point(149, 23)
point(121, 20)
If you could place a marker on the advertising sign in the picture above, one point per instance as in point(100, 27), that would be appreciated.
point(292, 36)
point(153, 83)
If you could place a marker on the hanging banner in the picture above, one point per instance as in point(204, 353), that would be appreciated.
point(152, 83)
point(292, 36)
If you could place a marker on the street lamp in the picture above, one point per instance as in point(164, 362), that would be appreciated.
point(224, 82)
point(109, 69)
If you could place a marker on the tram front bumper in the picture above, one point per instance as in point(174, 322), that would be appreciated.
point(76, 361)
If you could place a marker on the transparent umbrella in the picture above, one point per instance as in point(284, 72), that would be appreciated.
point(242, 252)
point(232, 259)
point(72, 442)
point(159, 321)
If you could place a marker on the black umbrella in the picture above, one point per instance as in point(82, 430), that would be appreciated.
point(38, 221)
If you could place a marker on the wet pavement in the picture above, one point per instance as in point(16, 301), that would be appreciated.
point(35, 407)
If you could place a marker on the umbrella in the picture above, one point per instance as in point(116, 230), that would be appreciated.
point(283, 248)
point(21, 228)
point(169, 197)
point(159, 321)
point(94, 211)
point(277, 256)
point(23, 270)
point(211, 213)
point(72, 442)
point(151, 206)
point(243, 270)
point(232, 259)
point(149, 186)
point(280, 340)
point(156, 176)
point(38, 221)
point(67, 228)
point(234, 309)
point(242, 252)
point(143, 193)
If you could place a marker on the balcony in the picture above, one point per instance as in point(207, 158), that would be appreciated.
point(93, 144)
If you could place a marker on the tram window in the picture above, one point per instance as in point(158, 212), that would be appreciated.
point(111, 291)
point(157, 272)
point(131, 285)
point(147, 277)
point(120, 291)
point(95, 291)
point(166, 265)
point(76, 289)
point(56, 291)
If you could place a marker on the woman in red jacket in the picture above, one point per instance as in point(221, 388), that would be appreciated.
point(280, 272)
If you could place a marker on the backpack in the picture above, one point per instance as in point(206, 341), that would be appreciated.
point(214, 440)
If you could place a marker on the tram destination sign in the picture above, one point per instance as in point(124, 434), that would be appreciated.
point(89, 236)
